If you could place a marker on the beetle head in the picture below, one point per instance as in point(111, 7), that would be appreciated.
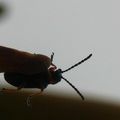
point(56, 75)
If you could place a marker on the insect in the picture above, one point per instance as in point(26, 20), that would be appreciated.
point(25, 70)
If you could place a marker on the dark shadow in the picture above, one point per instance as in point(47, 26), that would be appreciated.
point(13, 107)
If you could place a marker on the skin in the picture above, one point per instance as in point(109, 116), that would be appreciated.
point(12, 60)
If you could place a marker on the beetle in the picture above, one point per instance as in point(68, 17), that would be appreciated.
point(26, 70)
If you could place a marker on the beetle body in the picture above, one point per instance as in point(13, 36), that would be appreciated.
point(18, 80)
point(25, 70)
point(40, 80)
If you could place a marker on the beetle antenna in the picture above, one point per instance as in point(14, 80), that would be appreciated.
point(52, 57)
point(77, 63)
point(73, 87)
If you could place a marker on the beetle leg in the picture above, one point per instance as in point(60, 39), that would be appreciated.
point(12, 90)
point(21, 86)
point(28, 101)
point(8, 90)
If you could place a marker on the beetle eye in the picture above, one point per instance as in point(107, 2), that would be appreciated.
point(52, 69)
